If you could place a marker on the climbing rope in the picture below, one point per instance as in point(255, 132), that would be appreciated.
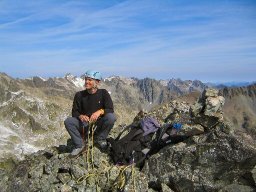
point(90, 146)
point(120, 182)
point(89, 158)
point(122, 178)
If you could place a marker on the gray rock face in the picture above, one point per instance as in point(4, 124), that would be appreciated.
point(185, 87)
point(217, 162)
point(247, 91)
point(240, 110)
point(153, 91)
point(210, 160)
point(55, 170)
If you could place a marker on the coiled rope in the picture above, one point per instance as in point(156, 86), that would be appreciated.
point(122, 178)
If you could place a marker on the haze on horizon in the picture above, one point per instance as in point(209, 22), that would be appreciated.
point(212, 41)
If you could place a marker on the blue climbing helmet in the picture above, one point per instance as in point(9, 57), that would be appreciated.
point(93, 74)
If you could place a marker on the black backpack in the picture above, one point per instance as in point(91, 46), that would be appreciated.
point(129, 149)
point(136, 146)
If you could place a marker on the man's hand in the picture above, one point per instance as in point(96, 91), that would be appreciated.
point(95, 116)
point(84, 118)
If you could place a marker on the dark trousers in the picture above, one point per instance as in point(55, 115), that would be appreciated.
point(75, 128)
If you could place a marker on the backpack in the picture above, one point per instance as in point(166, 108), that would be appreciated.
point(129, 149)
point(164, 137)
point(142, 141)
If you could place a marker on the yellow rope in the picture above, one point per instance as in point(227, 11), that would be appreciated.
point(84, 177)
point(92, 144)
point(90, 156)
point(133, 176)
point(120, 181)
point(88, 148)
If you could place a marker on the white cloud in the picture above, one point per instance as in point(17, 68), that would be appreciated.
point(136, 36)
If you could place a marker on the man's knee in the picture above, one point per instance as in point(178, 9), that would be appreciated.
point(110, 118)
point(69, 121)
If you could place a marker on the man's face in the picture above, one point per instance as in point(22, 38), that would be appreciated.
point(90, 83)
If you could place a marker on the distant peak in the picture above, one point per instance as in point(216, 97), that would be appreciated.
point(69, 76)
point(127, 80)
point(38, 77)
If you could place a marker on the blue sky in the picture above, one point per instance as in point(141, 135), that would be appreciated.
point(212, 41)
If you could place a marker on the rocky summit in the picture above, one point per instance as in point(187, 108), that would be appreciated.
point(212, 158)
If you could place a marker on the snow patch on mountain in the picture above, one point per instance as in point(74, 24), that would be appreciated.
point(26, 148)
point(31, 78)
point(126, 80)
point(164, 82)
point(77, 81)
point(6, 132)
point(14, 95)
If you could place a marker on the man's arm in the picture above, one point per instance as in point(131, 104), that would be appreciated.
point(108, 103)
point(76, 109)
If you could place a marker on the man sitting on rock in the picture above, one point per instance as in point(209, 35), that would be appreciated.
point(91, 105)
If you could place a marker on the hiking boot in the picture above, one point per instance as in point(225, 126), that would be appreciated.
point(78, 151)
point(102, 144)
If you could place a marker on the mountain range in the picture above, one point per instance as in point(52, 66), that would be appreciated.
point(32, 110)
